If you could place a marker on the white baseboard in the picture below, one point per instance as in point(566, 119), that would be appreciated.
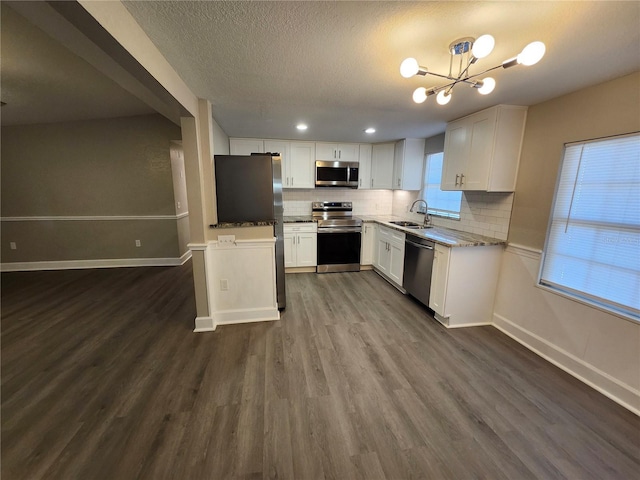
point(204, 324)
point(98, 263)
point(604, 383)
point(229, 317)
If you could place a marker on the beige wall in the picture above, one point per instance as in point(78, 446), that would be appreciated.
point(220, 140)
point(595, 346)
point(99, 168)
point(608, 109)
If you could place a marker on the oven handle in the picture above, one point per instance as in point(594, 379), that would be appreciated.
point(340, 230)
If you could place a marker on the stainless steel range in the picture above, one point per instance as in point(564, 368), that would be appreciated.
point(338, 237)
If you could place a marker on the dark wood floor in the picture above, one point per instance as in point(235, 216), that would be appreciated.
point(102, 378)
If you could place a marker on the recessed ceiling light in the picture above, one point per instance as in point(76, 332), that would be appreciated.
point(370, 130)
point(301, 126)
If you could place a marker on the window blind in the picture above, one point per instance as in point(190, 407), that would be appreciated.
point(443, 203)
point(593, 242)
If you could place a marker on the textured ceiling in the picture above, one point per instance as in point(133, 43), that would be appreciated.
point(43, 82)
point(266, 66)
point(334, 65)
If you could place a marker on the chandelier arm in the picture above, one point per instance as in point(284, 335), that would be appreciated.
point(482, 73)
point(459, 79)
point(448, 77)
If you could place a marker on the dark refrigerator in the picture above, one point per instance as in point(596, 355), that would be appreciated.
point(249, 189)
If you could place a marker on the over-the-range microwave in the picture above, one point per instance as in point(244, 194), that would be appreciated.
point(336, 174)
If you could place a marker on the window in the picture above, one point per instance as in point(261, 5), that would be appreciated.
point(593, 242)
point(443, 204)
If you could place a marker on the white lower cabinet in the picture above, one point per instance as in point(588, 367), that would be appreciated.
point(389, 254)
point(368, 243)
point(463, 284)
point(300, 245)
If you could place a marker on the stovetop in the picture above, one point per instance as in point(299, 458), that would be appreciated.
point(334, 214)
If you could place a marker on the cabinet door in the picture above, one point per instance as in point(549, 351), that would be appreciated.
point(348, 152)
point(396, 262)
point(382, 258)
point(306, 246)
point(382, 165)
point(398, 156)
point(439, 279)
point(364, 168)
point(481, 128)
point(368, 244)
point(289, 250)
point(302, 165)
point(411, 173)
point(456, 148)
point(284, 149)
point(326, 151)
point(245, 146)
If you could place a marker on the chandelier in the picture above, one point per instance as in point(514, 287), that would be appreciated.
point(468, 51)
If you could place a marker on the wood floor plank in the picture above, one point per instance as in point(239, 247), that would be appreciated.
point(103, 377)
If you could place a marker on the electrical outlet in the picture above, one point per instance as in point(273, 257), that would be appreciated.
point(138, 243)
point(178, 205)
point(13, 246)
point(226, 239)
point(224, 284)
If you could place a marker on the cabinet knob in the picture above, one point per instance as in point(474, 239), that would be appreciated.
point(461, 178)
point(457, 179)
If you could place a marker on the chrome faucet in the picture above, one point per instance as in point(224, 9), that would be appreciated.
point(427, 217)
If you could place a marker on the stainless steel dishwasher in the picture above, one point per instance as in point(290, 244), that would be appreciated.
point(418, 262)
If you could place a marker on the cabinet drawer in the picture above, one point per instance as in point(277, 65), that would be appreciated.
point(300, 228)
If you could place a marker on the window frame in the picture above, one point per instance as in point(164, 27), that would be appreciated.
point(577, 296)
point(436, 212)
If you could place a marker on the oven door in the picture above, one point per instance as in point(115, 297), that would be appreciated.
point(339, 249)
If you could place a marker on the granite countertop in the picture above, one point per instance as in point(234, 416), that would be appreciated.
point(444, 236)
point(259, 223)
point(299, 219)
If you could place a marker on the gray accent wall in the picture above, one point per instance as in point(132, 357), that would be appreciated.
point(88, 190)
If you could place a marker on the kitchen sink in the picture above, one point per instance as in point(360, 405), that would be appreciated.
point(406, 224)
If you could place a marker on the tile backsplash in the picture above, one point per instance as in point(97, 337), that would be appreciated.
point(480, 212)
point(365, 202)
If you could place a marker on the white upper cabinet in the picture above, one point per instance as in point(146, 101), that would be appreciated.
point(301, 169)
point(364, 168)
point(382, 165)
point(407, 164)
point(344, 152)
point(246, 146)
point(482, 150)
